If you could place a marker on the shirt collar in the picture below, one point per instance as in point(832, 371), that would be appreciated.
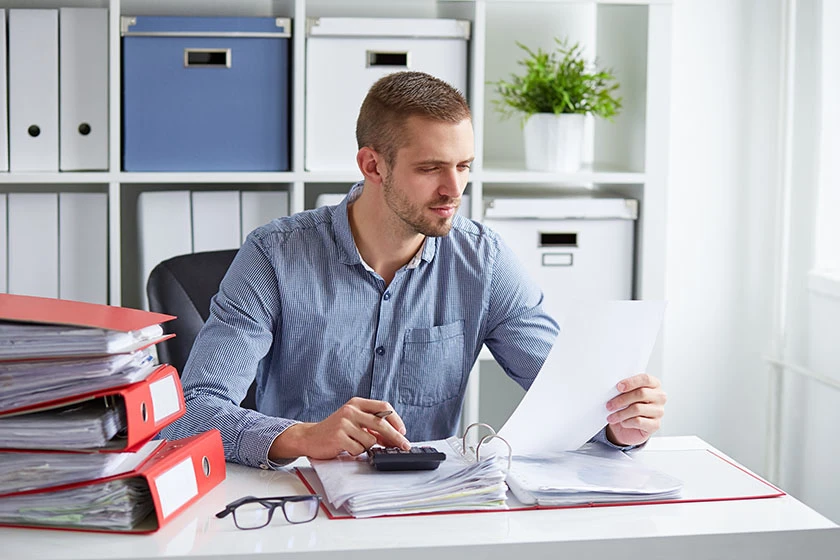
point(347, 245)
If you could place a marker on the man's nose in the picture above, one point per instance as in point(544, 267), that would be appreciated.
point(450, 184)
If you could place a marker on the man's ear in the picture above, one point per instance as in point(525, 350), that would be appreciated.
point(371, 164)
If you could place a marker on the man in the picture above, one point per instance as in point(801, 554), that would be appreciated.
point(379, 304)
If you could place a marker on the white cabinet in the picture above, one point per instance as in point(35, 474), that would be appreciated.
point(628, 157)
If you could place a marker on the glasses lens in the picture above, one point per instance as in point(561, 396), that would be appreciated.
point(301, 511)
point(252, 515)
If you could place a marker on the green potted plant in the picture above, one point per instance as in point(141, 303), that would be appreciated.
point(553, 96)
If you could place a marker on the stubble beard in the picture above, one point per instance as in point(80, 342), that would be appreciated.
point(413, 216)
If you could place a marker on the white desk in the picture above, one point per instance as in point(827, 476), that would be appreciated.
point(766, 528)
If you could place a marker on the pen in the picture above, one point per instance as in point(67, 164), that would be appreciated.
point(383, 413)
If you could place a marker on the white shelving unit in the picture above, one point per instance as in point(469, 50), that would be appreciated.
point(629, 157)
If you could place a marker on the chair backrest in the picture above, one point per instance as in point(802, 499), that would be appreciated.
point(183, 286)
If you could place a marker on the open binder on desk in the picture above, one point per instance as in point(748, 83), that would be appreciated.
point(593, 476)
point(548, 462)
point(38, 328)
point(114, 419)
point(137, 500)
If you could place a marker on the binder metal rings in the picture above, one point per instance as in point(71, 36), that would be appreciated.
point(488, 437)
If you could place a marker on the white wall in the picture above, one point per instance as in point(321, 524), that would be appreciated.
point(721, 220)
point(723, 227)
point(810, 449)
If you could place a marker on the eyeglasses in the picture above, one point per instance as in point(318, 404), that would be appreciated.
point(253, 513)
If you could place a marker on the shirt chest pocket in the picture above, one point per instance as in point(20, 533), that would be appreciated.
point(432, 367)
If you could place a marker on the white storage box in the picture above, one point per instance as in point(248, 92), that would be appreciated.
point(345, 56)
point(575, 248)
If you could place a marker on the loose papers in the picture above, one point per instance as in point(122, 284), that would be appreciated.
point(594, 474)
point(600, 344)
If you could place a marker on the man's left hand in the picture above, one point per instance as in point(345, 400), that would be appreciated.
point(636, 413)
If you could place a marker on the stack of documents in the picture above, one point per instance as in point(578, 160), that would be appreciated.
point(125, 492)
point(34, 381)
point(461, 483)
point(90, 424)
point(116, 419)
point(593, 474)
point(21, 341)
point(114, 505)
point(24, 471)
point(73, 375)
point(80, 378)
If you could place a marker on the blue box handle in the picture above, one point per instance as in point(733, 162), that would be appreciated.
point(207, 58)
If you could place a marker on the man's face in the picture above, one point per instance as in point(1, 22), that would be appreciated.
point(423, 187)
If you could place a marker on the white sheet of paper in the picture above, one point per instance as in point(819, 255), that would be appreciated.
point(600, 343)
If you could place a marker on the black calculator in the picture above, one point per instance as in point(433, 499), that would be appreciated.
point(419, 458)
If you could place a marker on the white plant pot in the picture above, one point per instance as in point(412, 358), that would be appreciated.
point(554, 142)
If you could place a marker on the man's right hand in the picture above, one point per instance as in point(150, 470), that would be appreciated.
point(353, 428)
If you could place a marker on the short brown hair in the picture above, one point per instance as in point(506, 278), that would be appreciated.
point(396, 97)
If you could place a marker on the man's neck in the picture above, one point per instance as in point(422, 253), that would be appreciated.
point(384, 245)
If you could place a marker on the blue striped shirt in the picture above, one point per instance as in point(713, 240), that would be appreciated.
point(299, 310)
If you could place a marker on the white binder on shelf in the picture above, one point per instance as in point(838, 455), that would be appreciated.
point(215, 220)
point(4, 257)
point(83, 247)
point(260, 207)
point(83, 92)
point(33, 90)
point(164, 230)
point(4, 115)
point(33, 244)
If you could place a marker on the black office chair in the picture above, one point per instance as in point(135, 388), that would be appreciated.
point(183, 286)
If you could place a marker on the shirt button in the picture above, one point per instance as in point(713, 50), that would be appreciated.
point(263, 466)
point(380, 350)
point(387, 296)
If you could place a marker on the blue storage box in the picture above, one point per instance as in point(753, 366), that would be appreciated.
point(205, 93)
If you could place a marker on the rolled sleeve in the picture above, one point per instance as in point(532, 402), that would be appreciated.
point(255, 442)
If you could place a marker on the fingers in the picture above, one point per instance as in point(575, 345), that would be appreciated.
point(642, 388)
point(637, 381)
point(354, 440)
point(388, 413)
point(385, 432)
point(365, 427)
point(637, 410)
point(640, 406)
point(641, 423)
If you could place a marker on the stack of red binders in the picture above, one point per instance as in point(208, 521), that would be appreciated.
point(81, 399)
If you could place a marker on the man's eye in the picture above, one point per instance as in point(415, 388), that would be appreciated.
point(428, 169)
point(465, 167)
